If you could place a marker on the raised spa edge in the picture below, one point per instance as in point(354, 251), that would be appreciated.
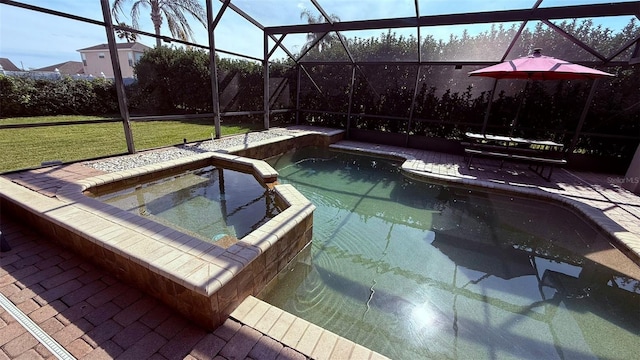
point(199, 279)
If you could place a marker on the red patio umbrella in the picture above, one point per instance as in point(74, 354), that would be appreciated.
point(538, 67)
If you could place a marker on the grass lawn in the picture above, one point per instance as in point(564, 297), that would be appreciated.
point(52, 119)
point(29, 147)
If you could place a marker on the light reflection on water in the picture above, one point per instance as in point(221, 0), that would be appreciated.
point(414, 270)
point(212, 203)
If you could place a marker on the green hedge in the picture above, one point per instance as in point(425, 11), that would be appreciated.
point(447, 101)
point(178, 80)
point(24, 96)
point(169, 81)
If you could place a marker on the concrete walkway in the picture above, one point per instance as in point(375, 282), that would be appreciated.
point(93, 315)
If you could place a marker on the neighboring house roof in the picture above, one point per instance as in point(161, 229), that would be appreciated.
point(8, 65)
point(65, 68)
point(133, 46)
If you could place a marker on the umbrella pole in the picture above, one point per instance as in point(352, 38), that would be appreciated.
point(515, 120)
point(486, 114)
point(583, 116)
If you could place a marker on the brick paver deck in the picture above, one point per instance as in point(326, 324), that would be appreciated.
point(93, 315)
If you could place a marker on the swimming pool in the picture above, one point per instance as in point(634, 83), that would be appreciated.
point(416, 270)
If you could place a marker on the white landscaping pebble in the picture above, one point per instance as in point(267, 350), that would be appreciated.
point(126, 162)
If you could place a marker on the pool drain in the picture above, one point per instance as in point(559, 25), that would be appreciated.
point(56, 349)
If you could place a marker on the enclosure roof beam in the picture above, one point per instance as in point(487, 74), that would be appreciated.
point(52, 12)
point(445, 63)
point(324, 13)
point(560, 12)
point(417, 7)
point(284, 48)
point(518, 33)
point(330, 21)
point(574, 40)
point(623, 48)
point(215, 22)
point(257, 24)
point(311, 46)
point(96, 22)
point(275, 47)
point(245, 16)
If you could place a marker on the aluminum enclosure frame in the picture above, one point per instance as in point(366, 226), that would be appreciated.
point(278, 34)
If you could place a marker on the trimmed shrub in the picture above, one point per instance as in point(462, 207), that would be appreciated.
point(24, 96)
point(179, 81)
point(171, 80)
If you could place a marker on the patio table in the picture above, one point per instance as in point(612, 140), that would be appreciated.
point(507, 140)
point(539, 154)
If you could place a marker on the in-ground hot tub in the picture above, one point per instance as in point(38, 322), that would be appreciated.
point(202, 280)
point(214, 204)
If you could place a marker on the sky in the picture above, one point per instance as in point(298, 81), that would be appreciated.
point(33, 40)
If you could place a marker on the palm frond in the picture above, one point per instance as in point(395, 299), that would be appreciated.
point(173, 11)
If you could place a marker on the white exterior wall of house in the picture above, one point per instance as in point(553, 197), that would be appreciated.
point(96, 62)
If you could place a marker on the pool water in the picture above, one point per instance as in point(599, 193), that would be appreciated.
point(414, 270)
point(215, 204)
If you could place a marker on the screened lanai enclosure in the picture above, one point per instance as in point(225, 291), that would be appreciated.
point(393, 72)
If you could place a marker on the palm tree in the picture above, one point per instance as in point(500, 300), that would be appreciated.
point(313, 37)
point(124, 34)
point(172, 10)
